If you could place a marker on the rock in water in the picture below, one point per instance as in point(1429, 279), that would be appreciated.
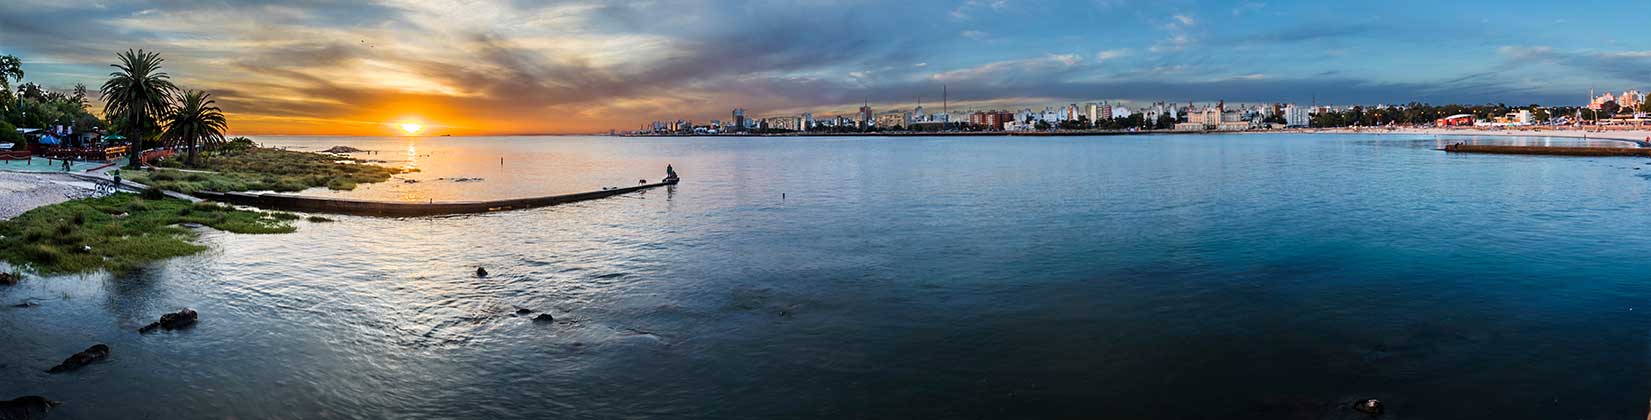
point(523, 311)
point(26, 408)
point(481, 272)
point(544, 318)
point(1370, 406)
point(9, 278)
point(173, 321)
point(95, 353)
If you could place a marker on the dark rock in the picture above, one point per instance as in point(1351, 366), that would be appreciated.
point(343, 149)
point(544, 318)
point(26, 304)
point(641, 181)
point(1371, 406)
point(95, 353)
point(173, 321)
point(27, 408)
point(523, 311)
point(9, 278)
point(481, 272)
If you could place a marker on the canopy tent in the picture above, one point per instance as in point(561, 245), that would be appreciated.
point(49, 139)
point(114, 137)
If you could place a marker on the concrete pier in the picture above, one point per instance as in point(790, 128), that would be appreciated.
point(308, 204)
point(1551, 151)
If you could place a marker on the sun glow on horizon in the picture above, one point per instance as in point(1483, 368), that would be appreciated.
point(411, 128)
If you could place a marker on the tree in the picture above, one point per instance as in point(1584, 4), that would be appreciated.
point(31, 90)
point(137, 96)
point(79, 96)
point(1609, 108)
point(8, 134)
point(11, 69)
point(195, 123)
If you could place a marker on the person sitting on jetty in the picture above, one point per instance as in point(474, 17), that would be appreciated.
point(670, 174)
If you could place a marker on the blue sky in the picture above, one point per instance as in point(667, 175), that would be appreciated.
point(319, 66)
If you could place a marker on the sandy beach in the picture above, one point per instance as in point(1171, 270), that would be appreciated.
point(22, 191)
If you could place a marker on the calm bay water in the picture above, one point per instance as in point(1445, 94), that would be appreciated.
point(1236, 276)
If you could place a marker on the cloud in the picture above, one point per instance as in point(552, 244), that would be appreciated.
point(514, 66)
point(1107, 55)
point(1175, 42)
point(1013, 71)
point(968, 8)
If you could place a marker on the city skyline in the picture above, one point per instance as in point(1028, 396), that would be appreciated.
point(570, 67)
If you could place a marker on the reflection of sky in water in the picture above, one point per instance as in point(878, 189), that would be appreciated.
point(507, 167)
point(1113, 277)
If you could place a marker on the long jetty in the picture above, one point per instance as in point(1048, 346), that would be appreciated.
point(301, 203)
point(1548, 150)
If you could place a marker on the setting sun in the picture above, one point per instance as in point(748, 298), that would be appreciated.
point(411, 128)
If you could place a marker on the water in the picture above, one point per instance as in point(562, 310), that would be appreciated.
point(1232, 276)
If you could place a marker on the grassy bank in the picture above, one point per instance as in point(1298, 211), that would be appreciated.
point(119, 232)
point(261, 169)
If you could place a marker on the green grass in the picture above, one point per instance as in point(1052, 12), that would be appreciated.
point(260, 169)
point(123, 231)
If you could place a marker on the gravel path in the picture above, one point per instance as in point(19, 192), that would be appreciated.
point(20, 192)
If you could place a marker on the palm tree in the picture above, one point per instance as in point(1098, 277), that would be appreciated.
point(79, 97)
point(137, 96)
point(195, 123)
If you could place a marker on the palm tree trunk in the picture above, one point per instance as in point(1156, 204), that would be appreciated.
point(133, 152)
point(191, 153)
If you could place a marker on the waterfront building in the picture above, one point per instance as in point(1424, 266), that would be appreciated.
point(1599, 101)
point(1210, 117)
point(785, 123)
point(865, 116)
point(1295, 116)
point(892, 119)
point(808, 120)
point(739, 118)
point(1050, 116)
point(992, 120)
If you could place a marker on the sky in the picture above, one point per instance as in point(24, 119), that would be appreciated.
point(525, 67)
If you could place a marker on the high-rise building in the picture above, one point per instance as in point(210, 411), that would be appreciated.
point(739, 119)
point(865, 115)
point(1295, 116)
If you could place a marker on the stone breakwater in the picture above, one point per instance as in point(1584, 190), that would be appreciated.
point(309, 204)
point(1545, 150)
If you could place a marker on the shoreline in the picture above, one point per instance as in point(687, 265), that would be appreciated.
point(1637, 136)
